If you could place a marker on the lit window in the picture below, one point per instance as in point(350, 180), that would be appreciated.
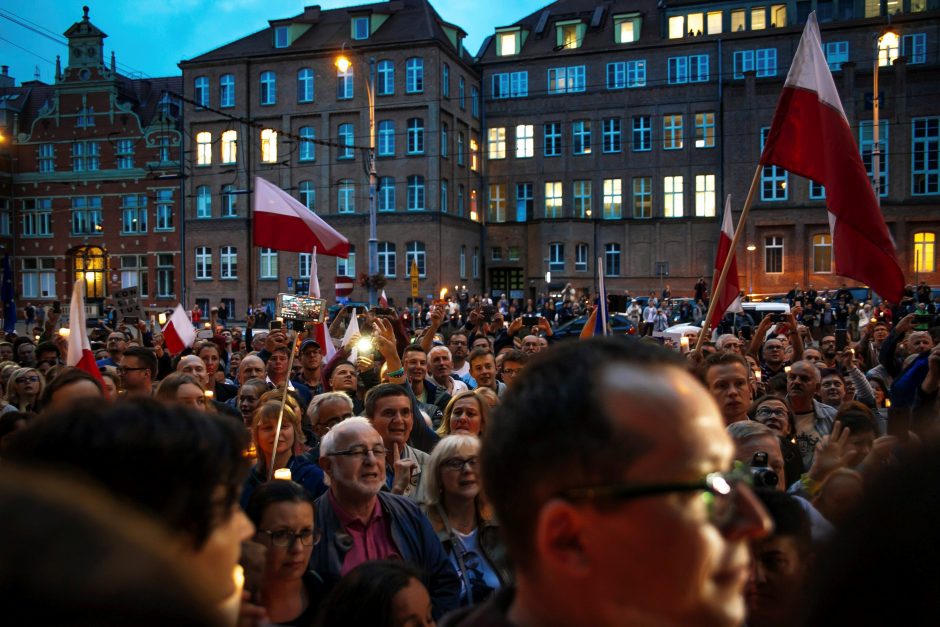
point(677, 27)
point(269, 146)
point(507, 44)
point(773, 255)
point(570, 35)
point(673, 206)
point(613, 199)
point(672, 132)
point(525, 141)
point(758, 18)
point(705, 130)
point(887, 49)
point(496, 212)
point(496, 143)
point(778, 15)
point(695, 24)
point(713, 22)
point(474, 155)
point(229, 146)
point(627, 28)
point(822, 253)
point(924, 251)
point(737, 20)
point(704, 195)
point(553, 199)
point(203, 148)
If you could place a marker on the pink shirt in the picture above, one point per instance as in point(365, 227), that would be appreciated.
point(371, 539)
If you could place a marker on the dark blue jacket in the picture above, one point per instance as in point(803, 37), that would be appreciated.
point(414, 538)
point(302, 471)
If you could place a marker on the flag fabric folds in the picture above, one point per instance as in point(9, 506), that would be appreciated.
point(730, 297)
point(352, 329)
point(383, 299)
point(810, 136)
point(79, 349)
point(320, 331)
point(179, 332)
point(600, 322)
point(282, 222)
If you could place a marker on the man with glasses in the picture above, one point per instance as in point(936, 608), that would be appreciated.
point(360, 522)
point(138, 371)
point(609, 477)
point(116, 345)
point(511, 366)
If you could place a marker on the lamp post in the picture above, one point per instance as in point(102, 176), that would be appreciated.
point(343, 63)
point(890, 39)
point(750, 267)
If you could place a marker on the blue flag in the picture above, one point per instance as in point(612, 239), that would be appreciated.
point(8, 295)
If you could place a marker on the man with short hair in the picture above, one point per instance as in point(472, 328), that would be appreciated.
point(374, 524)
point(311, 362)
point(531, 345)
point(729, 342)
point(459, 350)
point(250, 367)
point(483, 370)
point(813, 419)
point(832, 387)
point(814, 356)
point(116, 345)
point(138, 371)
point(827, 347)
point(511, 366)
point(725, 374)
point(47, 351)
point(26, 353)
point(278, 374)
point(388, 407)
point(194, 366)
point(415, 361)
point(441, 367)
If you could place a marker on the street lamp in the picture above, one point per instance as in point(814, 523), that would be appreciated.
point(343, 64)
point(750, 267)
point(889, 41)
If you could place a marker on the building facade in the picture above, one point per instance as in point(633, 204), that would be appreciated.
point(615, 131)
point(275, 105)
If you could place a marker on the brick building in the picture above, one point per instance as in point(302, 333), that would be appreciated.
point(94, 185)
point(274, 104)
point(616, 130)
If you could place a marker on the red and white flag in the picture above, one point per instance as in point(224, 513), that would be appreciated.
point(322, 334)
point(730, 297)
point(344, 286)
point(383, 300)
point(282, 222)
point(810, 136)
point(179, 332)
point(79, 352)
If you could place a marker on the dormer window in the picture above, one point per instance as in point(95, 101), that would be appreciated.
point(507, 43)
point(280, 37)
point(360, 28)
point(627, 28)
point(569, 35)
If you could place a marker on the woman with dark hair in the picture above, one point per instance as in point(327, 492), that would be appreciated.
point(68, 386)
point(282, 512)
point(211, 356)
point(381, 593)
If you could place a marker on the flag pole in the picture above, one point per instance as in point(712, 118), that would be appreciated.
point(719, 287)
point(280, 413)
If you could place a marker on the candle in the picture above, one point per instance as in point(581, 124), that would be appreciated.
point(37, 337)
point(888, 403)
point(210, 394)
point(786, 369)
point(161, 318)
point(207, 325)
point(684, 343)
point(443, 292)
point(231, 606)
point(64, 332)
point(283, 474)
point(757, 374)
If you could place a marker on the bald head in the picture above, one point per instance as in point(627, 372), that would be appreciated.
point(251, 367)
point(193, 365)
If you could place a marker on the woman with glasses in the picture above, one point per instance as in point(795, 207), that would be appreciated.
point(462, 519)
point(466, 414)
point(290, 446)
point(774, 412)
point(290, 592)
point(23, 390)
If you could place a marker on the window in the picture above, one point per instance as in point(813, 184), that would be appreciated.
point(507, 44)
point(496, 143)
point(463, 262)
point(611, 133)
point(227, 91)
point(837, 53)
point(643, 197)
point(525, 201)
point(163, 147)
point(228, 262)
point(474, 155)
point(386, 193)
point(705, 130)
point(133, 213)
point(166, 271)
point(308, 149)
point(460, 148)
point(460, 200)
point(677, 27)
point(763, 60)
point(552, 143)
point(38, 277)
point(569, 36)
point(46, 157)
point(867, 147)
point(445, 203)
point(203, 263)
point(617, 75)
point(582, 198)
point(347, 140)
point(462, 93)
point(280, 37)
point(360, 28)
point(307, 194)
point(553, 199)
point(86, 216)
point(773, 255)
point(201, 91)
point(613, 199)
point(822, 253)
point(626, 28)
point(268, 88)
point(581, 258)
point(229, 201)
point(816, 191)
point(204, 148)
point(778, 16)
point(444, 130)
point(347, 266)
point(305, 91)
point(229, 146)
point(642, 133)
point(773, 178)
point(385, 82)
point(914, 48)
point(612, 259)
point(86, 156)
point(698, 68)
point(887, 50)
point(37, 217)
point(386, 142)
point(924, 251)
point(269, 146)
point(125, 154)
point(267, 265)
point(496, 253)
point(737, 20)
point(713, 22)
point(164, 210)
point(416, 193)
point(678, 70)
point(581, 137)
point(134, 273)
point(475, 262)
point(445, 81)
point(704, 195)
point(513, 253)
point(345, 196)
point(497, 206)
point(415, 252)
point(673, 206)
point(925, 158)
point(415, 136)
point(509, 85)
point(564, 80)
point(556, 257)
point(414, 75)
point(525, 141)
point(758, 18)
point(387, 259)
point(344, 83)
point(203, 202)
point(475, 101)
point(672, 132)
point(85, 118)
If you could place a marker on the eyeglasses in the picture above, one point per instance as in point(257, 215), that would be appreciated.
point(126, 369)
point(32, 379)
point(767, 412)
point(511, 372)
point(329, 424)
point(458, 463)
point(362, 452)
point(286, 537)
point(719, 491)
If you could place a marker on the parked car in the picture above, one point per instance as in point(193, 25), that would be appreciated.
point(619, 325)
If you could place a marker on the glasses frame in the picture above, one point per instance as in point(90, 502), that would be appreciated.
point(362, 452)
point(472, 462)
point(292, 536)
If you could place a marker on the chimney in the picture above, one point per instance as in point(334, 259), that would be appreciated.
point(5, 79)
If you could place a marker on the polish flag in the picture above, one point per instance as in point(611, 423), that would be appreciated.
point(179, 332)
point(383, 300)
point(351, 330)
point(344, 286)
point(282, 222)
point(730, 298)
point(810, 136)
point(321, 333)
point(79, 349)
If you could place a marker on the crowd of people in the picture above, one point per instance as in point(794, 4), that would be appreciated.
point(462, 466)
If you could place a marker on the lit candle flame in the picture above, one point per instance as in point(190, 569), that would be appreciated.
point(161, 318)
point(282, 474)
point(443, 292)
point(64, 332)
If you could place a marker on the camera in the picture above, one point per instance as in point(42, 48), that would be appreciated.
point(489, 311)
point(530, 321)
point(293, 308)
point(780, 317)
point(761, 474)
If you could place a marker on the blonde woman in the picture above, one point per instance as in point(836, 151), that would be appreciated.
point(185, 389)
point(466, 413)
point(23, 391)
